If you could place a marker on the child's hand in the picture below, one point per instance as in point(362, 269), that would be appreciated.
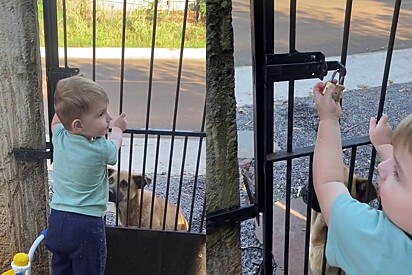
point(380, 133)
point(327, 107)
point(120, 122)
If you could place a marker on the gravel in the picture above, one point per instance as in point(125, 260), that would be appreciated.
point(186, 196)
point(358, 106)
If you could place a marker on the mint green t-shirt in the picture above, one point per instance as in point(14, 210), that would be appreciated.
point(80, 182)
point(362, 240)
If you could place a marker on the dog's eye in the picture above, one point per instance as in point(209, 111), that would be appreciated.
point(123, 183)
point(110, 180)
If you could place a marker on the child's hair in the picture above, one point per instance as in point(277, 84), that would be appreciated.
point(74, 96)
point(402, 134)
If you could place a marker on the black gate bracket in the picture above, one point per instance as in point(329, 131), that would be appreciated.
point(33, 153)
point(57, 73)
point(297, 65)
point(24, 154)
point(230, 216)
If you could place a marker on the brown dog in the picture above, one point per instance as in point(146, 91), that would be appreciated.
point(137, 183)
point(318, 226)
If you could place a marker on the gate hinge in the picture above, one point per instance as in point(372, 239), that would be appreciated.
point(34, 153)
point(297, 65)
point(230, 216)
point(58, 73)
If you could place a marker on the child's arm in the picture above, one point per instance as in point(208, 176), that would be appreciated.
point(55, 122)
point(380, 134)
point(328, 175)
point(119, 125)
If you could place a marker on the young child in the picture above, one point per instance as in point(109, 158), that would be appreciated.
point(76, 231)
point(362, 240)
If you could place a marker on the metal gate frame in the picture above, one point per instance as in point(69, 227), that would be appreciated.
point(131, 251)
point(269, 68)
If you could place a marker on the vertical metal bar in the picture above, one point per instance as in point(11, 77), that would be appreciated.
point(51, 52)
point(119, 158)
point(308, 217)
point(199, 153)
point(262, 43)
point(268, 39)
point(346, 32)
point(292, 26)
point(129, 177)
point(389, 53)
point(287, 216)
point(179, 75)
point(384, 85)
point(168, 180)
point(149, 97)
point(291, 100)
point(256, 11)
point(291, 86)
point(351, 168)
point(122, 57)
point(65, 33)
point(149, 100)
point(149, 92)
point(262, 17)
point(94, 42)
point(202, 220)
point(324, 253)
point(121, 93)
point(154, 180)
point(182, 170)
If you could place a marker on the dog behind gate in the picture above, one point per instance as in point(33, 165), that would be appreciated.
point(318, 226)
point(136, 205)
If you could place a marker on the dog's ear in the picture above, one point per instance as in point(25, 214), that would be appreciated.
point(361, 189)
point(110, 171)
point(148, 180)
point(139, 181)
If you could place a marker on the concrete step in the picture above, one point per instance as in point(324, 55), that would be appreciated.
point(297, 234)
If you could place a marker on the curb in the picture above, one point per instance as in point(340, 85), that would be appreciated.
point(131, 53)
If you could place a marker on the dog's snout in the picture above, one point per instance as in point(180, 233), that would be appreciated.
point(112, 195)
point(304, 193)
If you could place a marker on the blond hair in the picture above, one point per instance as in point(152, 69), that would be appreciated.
point(74, 97)
point(402, 134)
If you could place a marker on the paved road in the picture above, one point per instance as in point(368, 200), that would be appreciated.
point(163, 91)
point(320, 27)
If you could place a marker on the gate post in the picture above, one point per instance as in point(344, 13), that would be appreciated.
point(51, 51)
point(262, 18)
point(51, 42)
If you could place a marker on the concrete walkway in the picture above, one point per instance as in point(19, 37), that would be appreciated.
point(297, 234)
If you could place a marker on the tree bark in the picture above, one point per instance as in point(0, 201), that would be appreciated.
point(222, 177)
point(23, 183)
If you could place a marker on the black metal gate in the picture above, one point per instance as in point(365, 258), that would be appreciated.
point(270, 67)
point(135, 250)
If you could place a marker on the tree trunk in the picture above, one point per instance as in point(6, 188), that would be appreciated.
point(23, 183)
point(222, 177)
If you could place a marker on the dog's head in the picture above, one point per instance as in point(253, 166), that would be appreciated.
point(119, 184)
point(359, 190)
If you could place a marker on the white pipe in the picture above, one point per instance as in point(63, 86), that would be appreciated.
point(34, 246)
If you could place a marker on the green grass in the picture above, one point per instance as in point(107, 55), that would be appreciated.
point(139, 27)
